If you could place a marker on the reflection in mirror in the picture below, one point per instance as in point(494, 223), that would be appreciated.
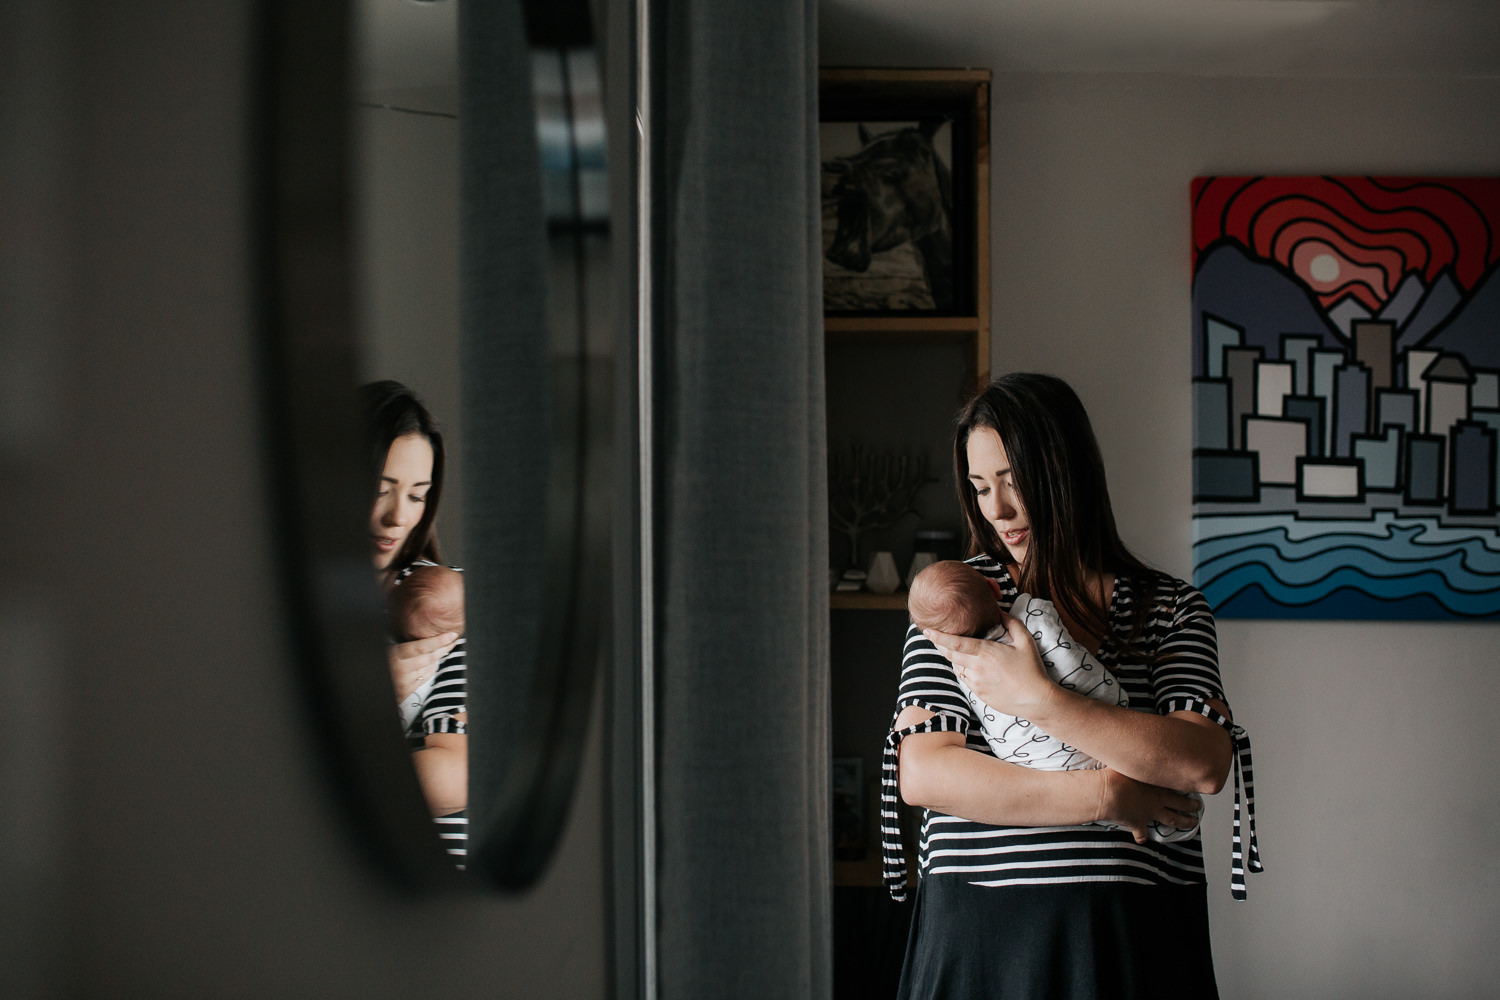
point(357, 239)
point(406, 283)
point(424, 599)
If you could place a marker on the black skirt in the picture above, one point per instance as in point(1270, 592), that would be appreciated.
point(1089, 941)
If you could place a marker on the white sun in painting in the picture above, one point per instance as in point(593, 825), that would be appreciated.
point(1324, 268)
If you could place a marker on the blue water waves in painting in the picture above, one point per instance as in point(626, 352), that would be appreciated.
point(1259, 565)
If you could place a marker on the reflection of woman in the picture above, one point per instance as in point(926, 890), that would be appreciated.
point(406, 470)
point(1019, 898)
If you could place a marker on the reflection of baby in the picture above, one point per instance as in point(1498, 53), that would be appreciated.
point(954, 597)
point(427, 601)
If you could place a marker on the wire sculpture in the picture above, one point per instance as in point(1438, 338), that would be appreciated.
point(868, 490)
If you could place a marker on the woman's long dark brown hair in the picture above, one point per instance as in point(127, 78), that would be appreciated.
point(391, 410)
point(1058, 474)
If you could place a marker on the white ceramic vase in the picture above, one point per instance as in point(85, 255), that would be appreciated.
point(883, 577)
point(919, 562)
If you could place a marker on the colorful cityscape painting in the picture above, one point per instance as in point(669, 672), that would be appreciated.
point(1346, 397)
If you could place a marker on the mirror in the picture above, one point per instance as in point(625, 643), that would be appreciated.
point(455, 240)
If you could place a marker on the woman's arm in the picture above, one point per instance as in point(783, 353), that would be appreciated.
point(1182, 750)
point(442, 766)
point(937, 771)
point(442, 762)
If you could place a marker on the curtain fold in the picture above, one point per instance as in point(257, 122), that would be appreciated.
point(742, 669)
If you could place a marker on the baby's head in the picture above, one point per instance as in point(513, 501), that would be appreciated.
point(428, 601)
point(953, 597)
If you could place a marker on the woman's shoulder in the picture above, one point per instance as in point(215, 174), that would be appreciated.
point(406, 571)
point(992, 568)
point(1158, 607)
point(1168, 590)
point(985, 563)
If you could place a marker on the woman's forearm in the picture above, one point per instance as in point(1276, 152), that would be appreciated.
point(1184, 750)
point(937, 771)
point(940, 774)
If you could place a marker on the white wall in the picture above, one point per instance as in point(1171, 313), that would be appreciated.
point(1372, 740)
point(166, 830)
point(407, 286)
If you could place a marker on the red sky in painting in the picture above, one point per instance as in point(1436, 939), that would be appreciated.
point(1355, 235)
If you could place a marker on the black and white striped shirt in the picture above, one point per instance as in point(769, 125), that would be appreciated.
point(447, 699)
point(1181, 634)
point(442, 701)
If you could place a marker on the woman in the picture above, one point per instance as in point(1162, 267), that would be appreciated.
point(406, 471)
point(1019, 898)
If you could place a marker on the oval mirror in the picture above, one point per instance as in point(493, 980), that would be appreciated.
point(492, 308)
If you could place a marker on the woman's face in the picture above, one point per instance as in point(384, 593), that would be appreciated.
point(994, 486)
point(401, 497)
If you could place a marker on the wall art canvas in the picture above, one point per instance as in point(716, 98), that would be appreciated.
point(887, 216)
point(1346, 397)
point(905, 155)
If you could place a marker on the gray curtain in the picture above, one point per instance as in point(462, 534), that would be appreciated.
point(506, 400)
point(743, 752)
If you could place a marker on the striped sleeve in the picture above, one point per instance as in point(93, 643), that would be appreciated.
point(928, 681)
point(449, 697)
point(1187, 667)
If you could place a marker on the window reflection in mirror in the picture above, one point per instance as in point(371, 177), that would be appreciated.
point(406, 184)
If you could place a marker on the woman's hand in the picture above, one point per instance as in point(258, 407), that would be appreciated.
point(1006, 674)
point(412, 663)
point(1135, 805)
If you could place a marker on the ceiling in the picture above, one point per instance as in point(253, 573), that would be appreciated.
point(409, 53)
point(1306, 38)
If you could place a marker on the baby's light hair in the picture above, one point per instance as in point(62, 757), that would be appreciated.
point(428, 601)
point(953, 597)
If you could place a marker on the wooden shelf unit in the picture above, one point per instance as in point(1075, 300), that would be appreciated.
point(862, 666)
point(863, 600)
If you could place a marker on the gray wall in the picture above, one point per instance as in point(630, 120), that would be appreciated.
point(407, 286)
point(166, 833)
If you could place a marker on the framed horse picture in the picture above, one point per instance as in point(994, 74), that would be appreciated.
point(901, 153)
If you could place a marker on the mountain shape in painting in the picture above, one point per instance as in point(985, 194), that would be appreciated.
point(1442, 297)
point(1474, 331)
point(1259, 297)
point(1345, 313)
point(1404, 301)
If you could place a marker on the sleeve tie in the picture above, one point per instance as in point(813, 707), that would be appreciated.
point(1245, 854)
point(893, 856)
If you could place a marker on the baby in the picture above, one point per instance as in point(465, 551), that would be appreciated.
point(427, 601)
point(954, 597)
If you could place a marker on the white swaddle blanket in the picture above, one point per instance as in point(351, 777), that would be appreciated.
point(1073, 667)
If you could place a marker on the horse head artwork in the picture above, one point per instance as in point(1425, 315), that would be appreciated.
point(895, 190)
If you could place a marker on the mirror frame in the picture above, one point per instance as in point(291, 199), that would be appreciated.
point(304, 281)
